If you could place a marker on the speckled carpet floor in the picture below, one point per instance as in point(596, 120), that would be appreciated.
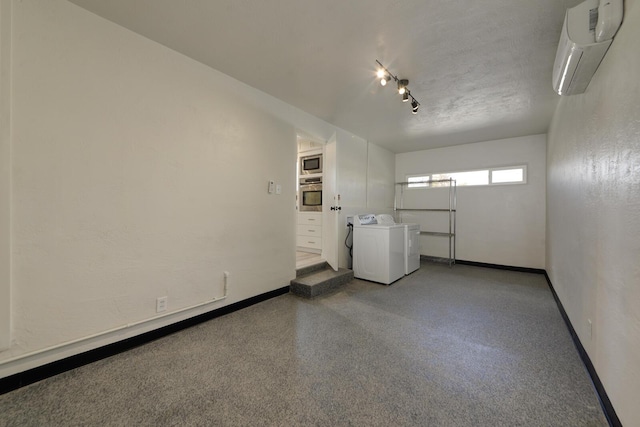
point(461, 346)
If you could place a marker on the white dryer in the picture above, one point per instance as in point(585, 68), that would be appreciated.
point(412, 248)
point(411, 242)
point(378, 250)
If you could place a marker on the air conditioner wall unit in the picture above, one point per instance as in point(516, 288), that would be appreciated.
point(587, 33)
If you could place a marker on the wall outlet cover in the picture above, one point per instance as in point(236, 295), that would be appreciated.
point(161, 304)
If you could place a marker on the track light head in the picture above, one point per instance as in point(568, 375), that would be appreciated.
point(402, 86)
point(405, 96)
point(415, 106)
point(384, 75)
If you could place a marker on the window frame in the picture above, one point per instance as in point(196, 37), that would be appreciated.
point(524, 175)
point(428, 177)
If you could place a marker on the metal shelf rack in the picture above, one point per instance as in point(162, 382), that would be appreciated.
point(451, 210)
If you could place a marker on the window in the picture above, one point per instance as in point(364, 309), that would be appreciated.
point(417, 180)
point(465, 178)
point(491, 176)
point(508, 176)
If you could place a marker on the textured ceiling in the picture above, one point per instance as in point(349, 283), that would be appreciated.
point(481, 69)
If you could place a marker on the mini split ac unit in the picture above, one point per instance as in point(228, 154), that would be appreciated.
point(586, 35)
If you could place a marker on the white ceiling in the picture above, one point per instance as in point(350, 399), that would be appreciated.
point(481, 69)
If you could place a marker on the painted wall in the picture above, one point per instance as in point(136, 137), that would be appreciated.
point(593, 216)
point(495, 224)
point(5, 174)
point(380, 178)
point(136, 173)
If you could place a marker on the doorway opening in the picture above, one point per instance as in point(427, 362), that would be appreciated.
point(309, 177)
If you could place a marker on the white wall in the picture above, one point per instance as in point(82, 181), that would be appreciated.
point(495, 224)
point(5, 174)
point(593, 216)
point(380, 178)
point(136, 173)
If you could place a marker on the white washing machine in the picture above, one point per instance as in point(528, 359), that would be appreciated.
point(411, 242)
point(378, 250)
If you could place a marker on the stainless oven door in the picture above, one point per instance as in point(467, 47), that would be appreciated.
point(310, 198)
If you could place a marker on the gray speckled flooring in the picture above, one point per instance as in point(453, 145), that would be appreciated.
point(465, 346)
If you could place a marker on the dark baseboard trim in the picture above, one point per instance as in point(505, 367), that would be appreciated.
point(607, 407)
point(501, 267)
point(39, 373)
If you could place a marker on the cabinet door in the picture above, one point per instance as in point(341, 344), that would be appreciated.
point(306, 145)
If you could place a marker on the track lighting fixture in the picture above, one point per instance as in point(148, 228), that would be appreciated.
point(384, 75)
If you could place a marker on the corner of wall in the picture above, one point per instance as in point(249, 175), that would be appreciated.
point(5, 174)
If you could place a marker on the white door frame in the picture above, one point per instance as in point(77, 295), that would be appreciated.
point(330, 205)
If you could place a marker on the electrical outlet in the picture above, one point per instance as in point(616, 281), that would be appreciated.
point(349, 220)
point(161, 304)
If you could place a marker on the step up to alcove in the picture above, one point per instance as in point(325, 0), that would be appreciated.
point(303, 271)
point(311, 283)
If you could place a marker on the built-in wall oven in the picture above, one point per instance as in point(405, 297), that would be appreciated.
point(310, 195)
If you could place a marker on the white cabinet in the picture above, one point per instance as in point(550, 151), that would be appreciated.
point(309, 230)
point(309, 235)
point(310, 218)
point(308, 145)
